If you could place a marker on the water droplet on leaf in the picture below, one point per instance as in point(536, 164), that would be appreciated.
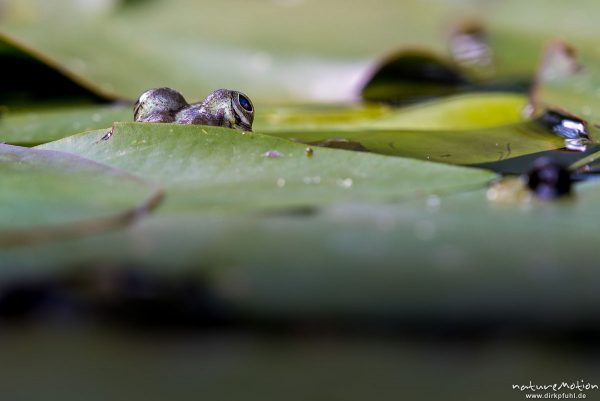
point(107, 135)
point(272, 153)
point(345, 183)
point(564, 124)
point(578, 144)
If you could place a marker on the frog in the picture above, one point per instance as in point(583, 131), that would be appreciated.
point(158, 105)
point(222, 107)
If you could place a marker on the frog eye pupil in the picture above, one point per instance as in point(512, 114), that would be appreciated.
point(245, 103)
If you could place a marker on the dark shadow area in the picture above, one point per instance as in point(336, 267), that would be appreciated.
point(25, 79)
point(141, 302)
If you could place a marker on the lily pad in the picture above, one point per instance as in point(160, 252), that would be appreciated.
point(454, 147)
point(464, 129)
point(378, 245)
point(375, 261)
point(451, 250)
point(30, 128)
point(269, 53)
point(218, 172)
point(218, 168)
point(49, 195)
point(462, 112)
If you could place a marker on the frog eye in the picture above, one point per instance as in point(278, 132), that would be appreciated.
point(245, 103)
point(242, 111)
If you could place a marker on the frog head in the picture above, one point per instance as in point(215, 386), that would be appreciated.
point(158, 105)
point(233, 108)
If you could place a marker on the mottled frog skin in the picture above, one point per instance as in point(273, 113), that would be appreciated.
point(222, 107)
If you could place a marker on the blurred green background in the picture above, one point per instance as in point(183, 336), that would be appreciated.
point(178, 262)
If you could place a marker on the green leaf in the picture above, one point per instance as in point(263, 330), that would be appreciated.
point(462, 112)
point(48, 195)
point(454, 147)
point(272, 55)
point(396, 259)
point(214, 172)
point(269, 52)
point(355, 250)
point(466, 129)
point(383, 261)
point(210, 167)
point(32, 128)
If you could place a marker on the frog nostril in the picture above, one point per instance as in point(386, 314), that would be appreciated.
point(244, 102)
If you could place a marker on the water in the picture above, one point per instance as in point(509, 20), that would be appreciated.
point(564, 124)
